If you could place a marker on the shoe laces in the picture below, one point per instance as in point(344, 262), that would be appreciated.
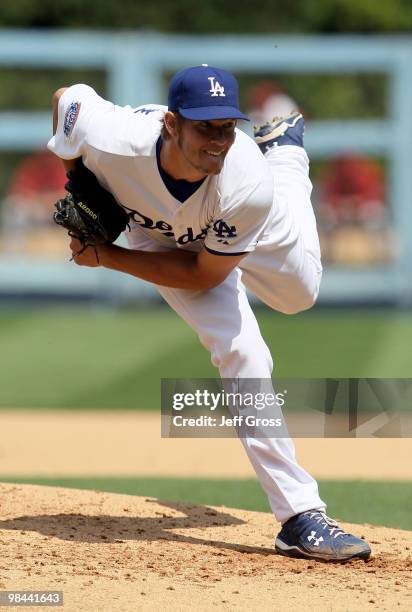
point(326, 523)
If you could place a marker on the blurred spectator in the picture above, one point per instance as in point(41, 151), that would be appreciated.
point(267, 100)
point(26, 216)
point(353, 217)
point(353, 190)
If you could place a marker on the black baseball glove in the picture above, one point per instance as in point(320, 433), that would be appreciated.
point(89, 212)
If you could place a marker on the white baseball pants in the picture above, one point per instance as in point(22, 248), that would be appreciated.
point(287, 280)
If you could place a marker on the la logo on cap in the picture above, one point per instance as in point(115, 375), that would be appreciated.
point(202, 93)
point(216, 89)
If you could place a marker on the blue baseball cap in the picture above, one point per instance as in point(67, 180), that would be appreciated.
point(204, 92)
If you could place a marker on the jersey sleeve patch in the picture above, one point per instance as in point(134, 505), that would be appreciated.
point(77, 105)
point(70, 118)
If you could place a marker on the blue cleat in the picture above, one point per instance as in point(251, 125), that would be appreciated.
point(313, 535)
point(280, 131)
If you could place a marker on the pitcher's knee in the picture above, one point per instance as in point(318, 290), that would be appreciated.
point(299, 297)
point(303, 302)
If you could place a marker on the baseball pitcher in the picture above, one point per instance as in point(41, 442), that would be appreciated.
point(209, 213)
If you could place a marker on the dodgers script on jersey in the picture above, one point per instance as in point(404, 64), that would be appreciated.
point(229, 214)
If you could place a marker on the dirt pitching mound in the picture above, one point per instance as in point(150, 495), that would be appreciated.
point(118, 553)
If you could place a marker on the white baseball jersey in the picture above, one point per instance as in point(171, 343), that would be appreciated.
point(230, 213)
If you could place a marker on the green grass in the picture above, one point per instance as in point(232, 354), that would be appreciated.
point(377, 503)
point(84, 358)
